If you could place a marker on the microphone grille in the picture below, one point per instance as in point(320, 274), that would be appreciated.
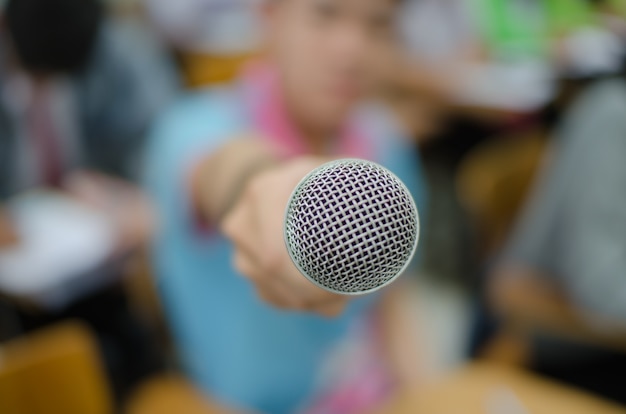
point(351, 226)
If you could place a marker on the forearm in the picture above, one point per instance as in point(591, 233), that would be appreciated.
point(220, 177)
point(428, 83)
point(8, 237)
point(254, 225)
point(525, 302)
point(417, 78)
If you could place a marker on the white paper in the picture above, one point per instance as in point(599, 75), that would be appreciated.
point(59, 240)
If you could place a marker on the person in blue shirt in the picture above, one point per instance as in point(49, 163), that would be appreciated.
point(252, 332)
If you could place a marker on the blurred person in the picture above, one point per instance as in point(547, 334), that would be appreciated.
point(212, 38)
point(496, 78)
point(461, 55)
point(93, 84)
point(77, 94)
point(559, 288)
point(221, 167)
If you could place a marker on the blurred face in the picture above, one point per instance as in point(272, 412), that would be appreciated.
point(327, 53)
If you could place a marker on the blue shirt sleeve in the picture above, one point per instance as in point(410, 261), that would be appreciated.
point(194, 127)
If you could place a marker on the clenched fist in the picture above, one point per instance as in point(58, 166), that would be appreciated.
point(255, 227)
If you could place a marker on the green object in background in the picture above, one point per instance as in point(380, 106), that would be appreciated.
point(618, 7)
point(527, 27)
point(567, 15)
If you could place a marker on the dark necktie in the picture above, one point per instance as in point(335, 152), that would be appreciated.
point(45, 137)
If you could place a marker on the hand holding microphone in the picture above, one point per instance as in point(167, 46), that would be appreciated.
point(255, 227)
point(350, 227)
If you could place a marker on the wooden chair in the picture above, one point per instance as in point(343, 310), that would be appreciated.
point(170, 394)
point(493, 183)
point(56, 370)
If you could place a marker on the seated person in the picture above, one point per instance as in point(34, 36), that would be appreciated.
point(563, 274)
point(77, 93)
point(221, 166)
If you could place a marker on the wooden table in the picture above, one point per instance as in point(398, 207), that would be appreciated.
point(484, 389)
point(477, 389)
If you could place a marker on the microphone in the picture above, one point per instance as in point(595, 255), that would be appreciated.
point(351, 227)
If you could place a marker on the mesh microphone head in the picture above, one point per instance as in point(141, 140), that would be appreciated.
point(351, 226)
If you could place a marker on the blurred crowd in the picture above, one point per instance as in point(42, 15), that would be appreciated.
point(130, 128)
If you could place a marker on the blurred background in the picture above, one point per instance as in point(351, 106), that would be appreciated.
point(517, 107)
